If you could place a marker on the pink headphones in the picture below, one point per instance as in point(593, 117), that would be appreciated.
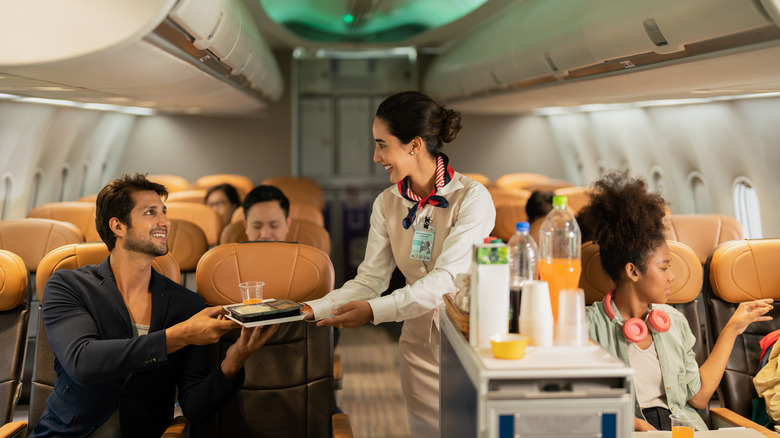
point(635, 329)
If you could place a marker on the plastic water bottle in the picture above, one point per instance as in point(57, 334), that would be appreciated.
point(522, 256)
point(559, 247)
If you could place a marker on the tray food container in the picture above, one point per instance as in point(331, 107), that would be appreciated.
point(267, 312)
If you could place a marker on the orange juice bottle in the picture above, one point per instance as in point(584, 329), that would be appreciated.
point(559, 251)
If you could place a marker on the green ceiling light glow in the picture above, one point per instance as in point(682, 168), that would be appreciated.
point(385, 21)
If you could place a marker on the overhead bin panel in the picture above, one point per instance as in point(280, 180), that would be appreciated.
point(226, 35)
point(199, 18)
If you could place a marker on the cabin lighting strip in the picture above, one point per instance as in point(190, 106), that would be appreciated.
point(134, 110)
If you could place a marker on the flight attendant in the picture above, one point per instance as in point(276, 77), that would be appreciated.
point(426, 224)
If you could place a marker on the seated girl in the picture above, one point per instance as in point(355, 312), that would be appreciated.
point(635, 255)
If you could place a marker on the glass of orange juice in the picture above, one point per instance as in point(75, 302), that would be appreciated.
point(251, 292)
point(682, 426)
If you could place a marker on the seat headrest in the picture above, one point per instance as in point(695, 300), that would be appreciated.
point(685, 266)
point(299, 190)
point(13, 280)
point(289, 270)
point(196, 196)
point(703, 232)
point(746, 270)
point(576, 197)
point(241, 183)
point(31, 239)
point(186, 243)
point(233, 232)
point(507, 215)
point(91, 253)
point(201, 215)
point(80, 214)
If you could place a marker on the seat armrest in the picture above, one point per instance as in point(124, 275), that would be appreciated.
point(16, 429)
point(177, 428)
point(722, 417)
point(342, 428)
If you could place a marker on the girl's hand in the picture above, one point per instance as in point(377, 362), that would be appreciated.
point(748, 312)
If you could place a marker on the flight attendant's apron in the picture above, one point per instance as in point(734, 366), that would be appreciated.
point(419, 343)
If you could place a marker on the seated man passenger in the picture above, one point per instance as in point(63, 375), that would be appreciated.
point(224, 200)
point(635, 255)
point(126, 339)
point(266, 214)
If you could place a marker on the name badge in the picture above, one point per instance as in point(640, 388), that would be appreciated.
point(422, 244)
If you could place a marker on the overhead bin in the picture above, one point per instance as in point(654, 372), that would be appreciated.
point(202, 56)
point(548, 42)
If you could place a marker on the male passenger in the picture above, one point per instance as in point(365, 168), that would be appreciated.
point(125, 338)
point(266, 214)
point(223, 199)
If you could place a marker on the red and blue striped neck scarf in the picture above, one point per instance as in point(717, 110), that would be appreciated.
point(444, 175)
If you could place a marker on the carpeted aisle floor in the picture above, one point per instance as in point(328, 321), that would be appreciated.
point(371, 392)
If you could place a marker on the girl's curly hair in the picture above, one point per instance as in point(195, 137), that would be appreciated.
point(625, 220)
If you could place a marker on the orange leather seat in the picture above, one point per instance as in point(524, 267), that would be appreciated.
point(173, 183)
point(72, 257)
point(478, 177)
point(503, 196)
point(241, 183)
point(186, 244)
point(576, 197)
point(703, 232)
point(520, 180)
point(290, 380)
point(305, 232)
point(548, 186)
point(80, 214)
point(299, 190)
point(297, 211)
point(31, 239)
point(197, 196)
point(507, 215)
point(14, 314)
point(199, 214)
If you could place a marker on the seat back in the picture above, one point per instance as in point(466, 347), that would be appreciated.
point(703, 232)
point(684, 290)
point(13, 330)
point(241, 183)
point(80, 214)
point(548, 186)
point(299, 190)
point(507, 215)
point(173, 183)
point(199, 214)
point(186, 244)
point(289, 386)
point(69, 257)
point(297, 211)
point(520, 180)
point(305, 232)
point(503, 196)
point(197, 196)
point(738, 271)
point(576, 197)
point(478, 177)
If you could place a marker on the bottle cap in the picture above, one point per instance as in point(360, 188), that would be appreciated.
point(559, 201)
point(522, 227)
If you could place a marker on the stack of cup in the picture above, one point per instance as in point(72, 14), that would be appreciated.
point(536, 319)
point(572, 327)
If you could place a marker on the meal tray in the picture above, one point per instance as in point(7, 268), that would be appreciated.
point(267, 312)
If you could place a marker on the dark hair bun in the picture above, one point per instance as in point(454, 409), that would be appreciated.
point(450, 126)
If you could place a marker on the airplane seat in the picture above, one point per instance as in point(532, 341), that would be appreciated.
point(506, 217)
point(704, 232)
point(576, 197)
point(290, 380)
point(14, 316)
point(738, 271)
point(241, 183)
point(197, 196)
point(478, 177)
point(683, 296)
point(297, 211)
point(31, 239)
point(508, 196)
point(72, 257)
point(88, 198)
point(520, 180)
point(80, 214)
point(186, 244)
point(299, 190)
point(548, 186)
point(172, 183)
point(301, 231)
point(201, 215)
point(535, 226)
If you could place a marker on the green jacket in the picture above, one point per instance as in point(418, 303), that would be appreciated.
point(679, 369)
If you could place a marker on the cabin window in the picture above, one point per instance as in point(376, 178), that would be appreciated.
point(699, 193)
point(83, 190)
point(656, 179)
point(7, 191)
point(747, 209)
point(35, 190)
point(63, 183)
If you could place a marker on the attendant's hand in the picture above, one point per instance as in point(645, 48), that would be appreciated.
point(352, 314)
point(641, 425)
point(307, 311)
point(748, 312)
point(250, 340)
point(203, 328)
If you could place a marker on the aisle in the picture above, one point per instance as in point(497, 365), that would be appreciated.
point(371, 393)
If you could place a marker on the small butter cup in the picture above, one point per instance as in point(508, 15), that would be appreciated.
point(508, 346)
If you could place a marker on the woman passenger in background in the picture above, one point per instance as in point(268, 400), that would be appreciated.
point(429, 206)
point(224, 200)
point(635, 255)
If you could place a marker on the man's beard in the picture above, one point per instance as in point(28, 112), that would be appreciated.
point(132, 243)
